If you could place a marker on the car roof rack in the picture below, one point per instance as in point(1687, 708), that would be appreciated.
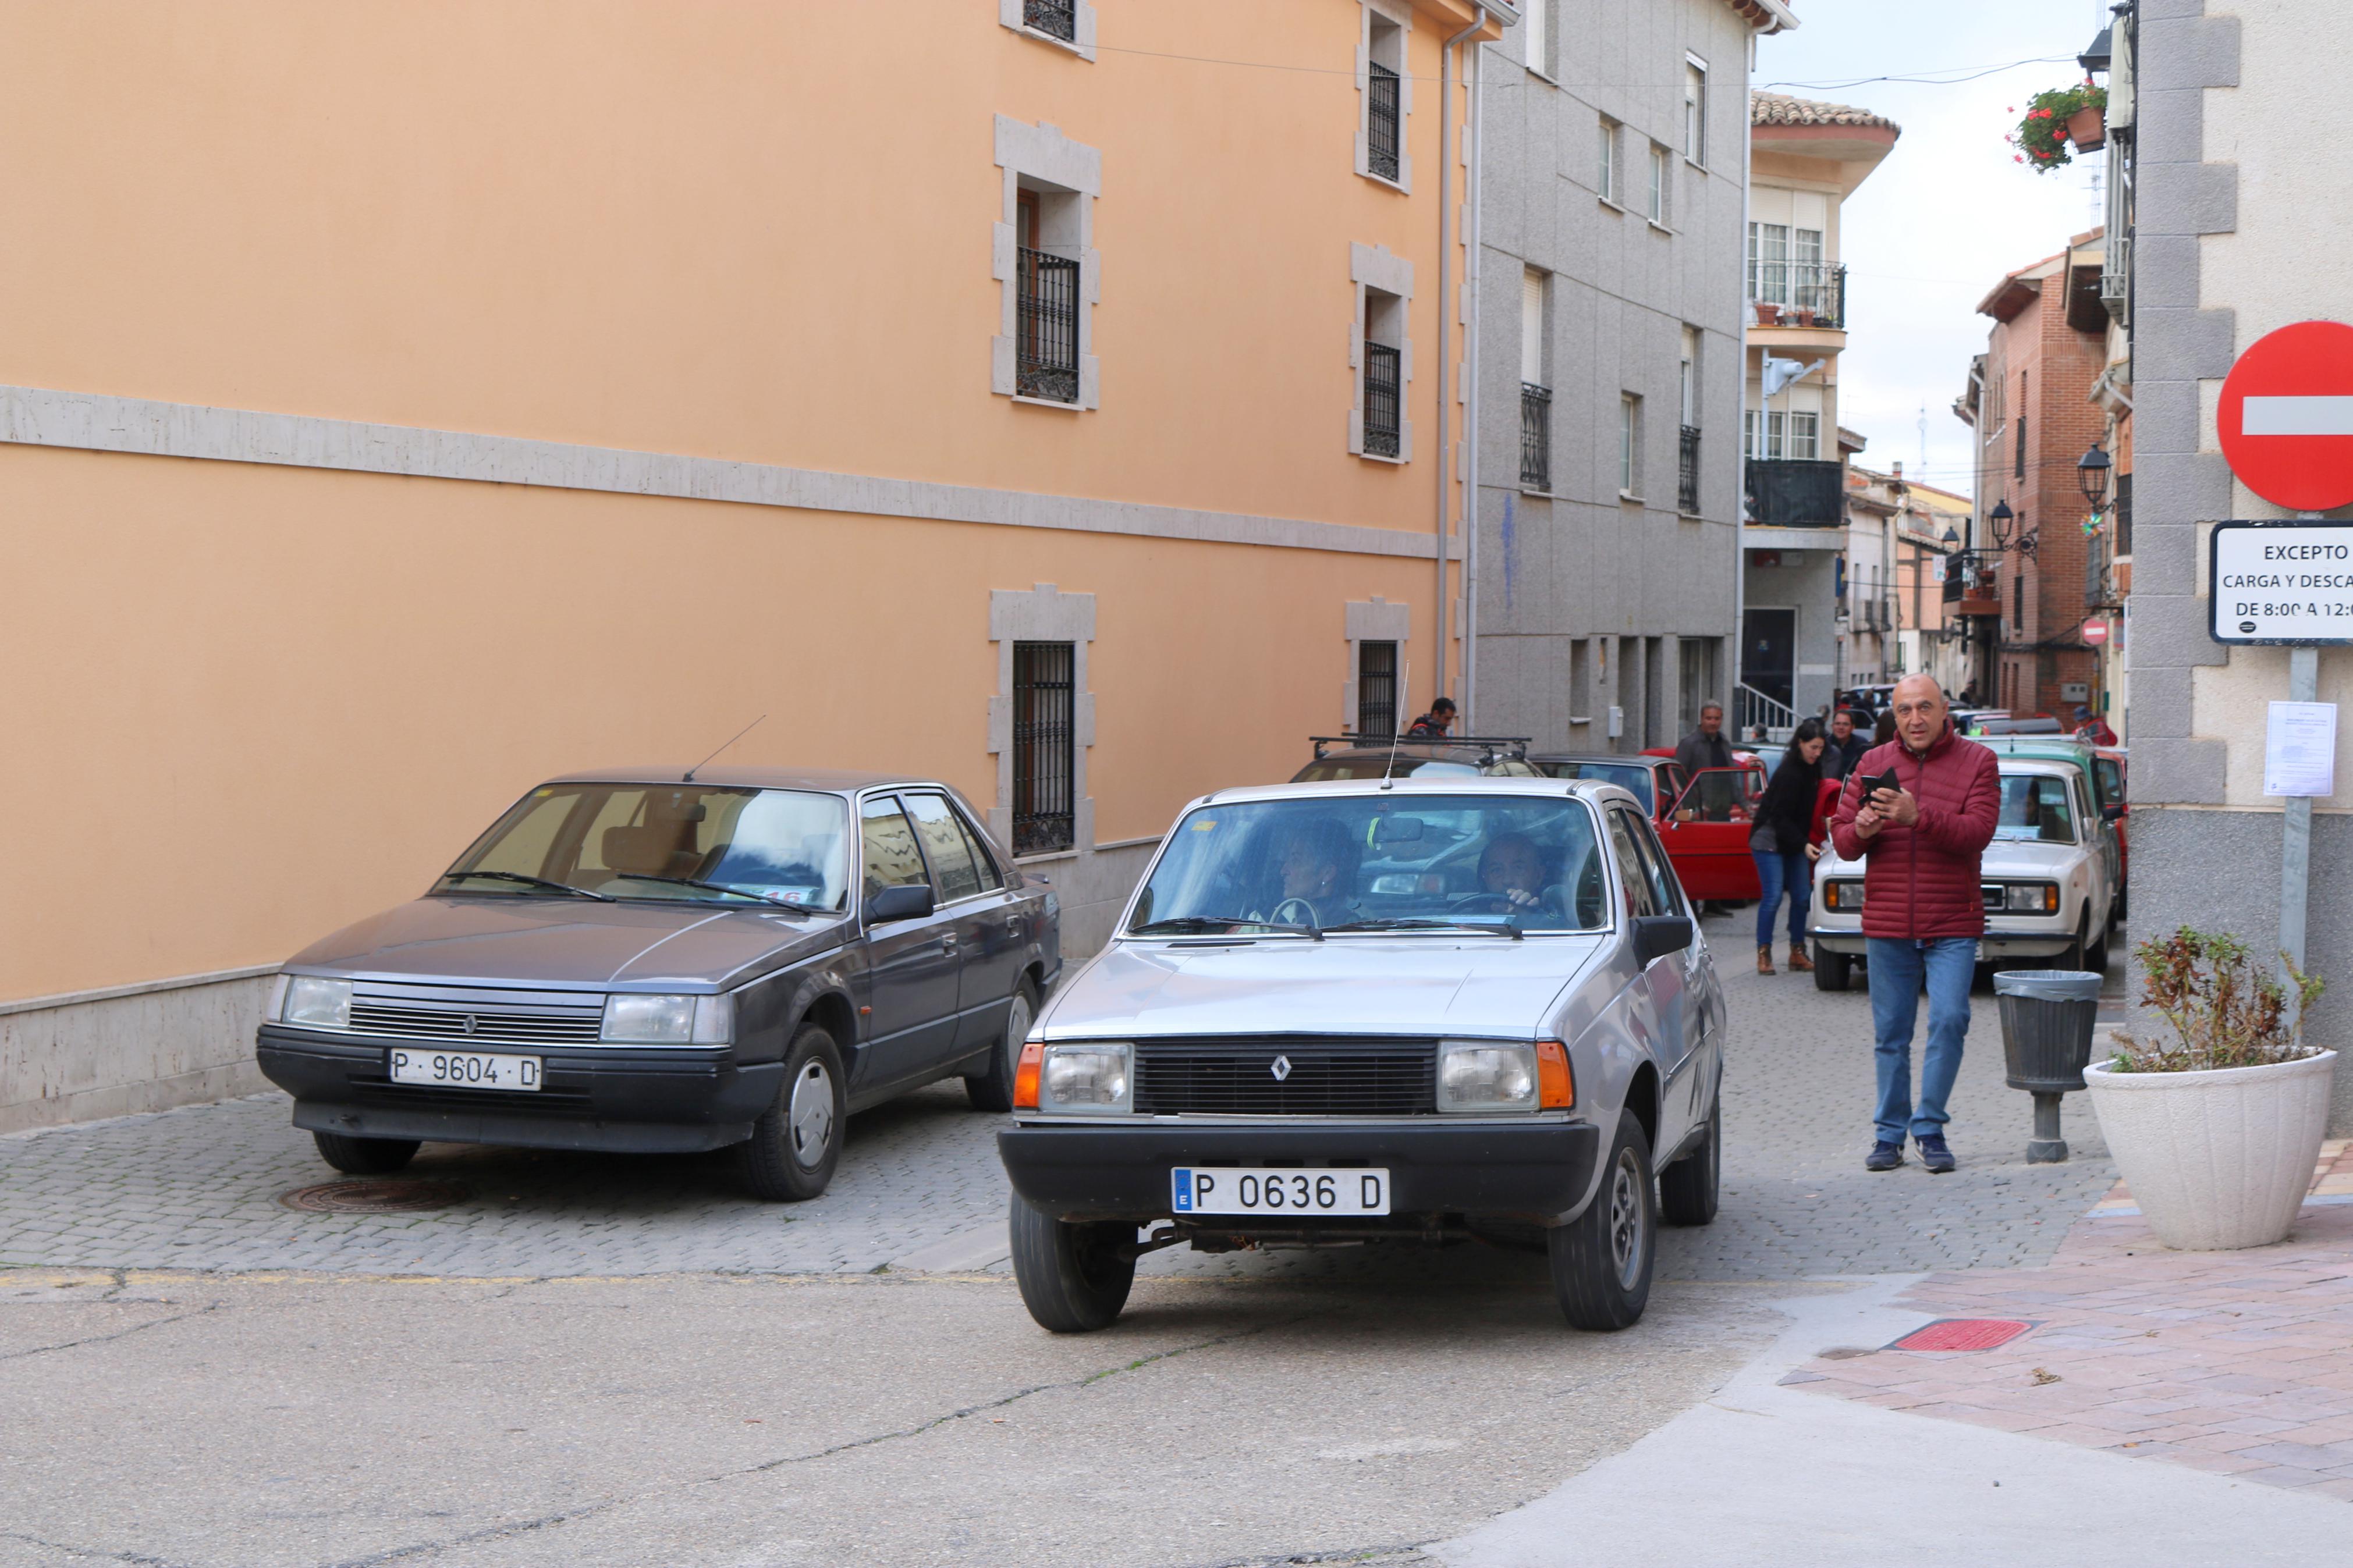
point(1495, 745)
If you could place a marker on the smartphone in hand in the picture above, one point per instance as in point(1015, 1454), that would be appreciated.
point(1885, 781)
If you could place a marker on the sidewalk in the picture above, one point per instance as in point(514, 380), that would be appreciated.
point(2233, 1362)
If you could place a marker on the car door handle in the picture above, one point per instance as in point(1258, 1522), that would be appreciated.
point(948, 940)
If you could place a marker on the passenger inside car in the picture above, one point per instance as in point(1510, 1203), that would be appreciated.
point(1318, 865)
point(2036, 809)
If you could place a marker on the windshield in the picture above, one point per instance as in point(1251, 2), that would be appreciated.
point(656, 841)
point(2036, 809)
point(1629, 776)
point(1520, 862)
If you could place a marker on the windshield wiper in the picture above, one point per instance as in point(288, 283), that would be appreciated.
point(1206, 923)
point(1426, 924)
point(533, 881)
point(773, 903)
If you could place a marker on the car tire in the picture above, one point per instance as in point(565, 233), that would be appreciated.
point(364, 1156)
point(1687, 1189)
point(1601, 1260)
point(2073, 957)
point(1832, 970)
point(1073, 1278)
point(797, 1142)
point(993, 1089)
point(2095, 956)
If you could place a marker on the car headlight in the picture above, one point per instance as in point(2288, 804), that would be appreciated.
point(318, 1003)
point(1092, 1079)
point(2031, 897)
point(1486, 1075)
point(669, 1020)
point(1844, 897)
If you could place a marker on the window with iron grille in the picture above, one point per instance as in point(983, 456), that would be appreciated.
point(1045, 706)
point(1376, 669)
point(1381, 121)
point(1687, 474)
point(1384, 399)
point(1535, 437)
point(1055, 18)
point(1047, 352)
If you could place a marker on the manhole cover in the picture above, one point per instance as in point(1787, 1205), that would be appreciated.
point(1962, 1334)
point(375, 1194)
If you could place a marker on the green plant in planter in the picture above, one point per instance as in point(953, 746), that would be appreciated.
point(2041, 136)
point(2225, 1013)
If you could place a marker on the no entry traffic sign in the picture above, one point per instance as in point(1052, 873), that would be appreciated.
point(2286, 418)
point(2281, 582)
point(2096, 631)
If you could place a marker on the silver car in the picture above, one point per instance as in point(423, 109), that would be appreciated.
point(1356, 1010)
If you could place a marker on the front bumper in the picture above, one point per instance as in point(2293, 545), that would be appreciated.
point(623, 1100)
point(1540, 1171)
point(1994, 944)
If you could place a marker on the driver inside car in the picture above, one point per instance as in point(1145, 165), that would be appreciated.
point(1513, 869)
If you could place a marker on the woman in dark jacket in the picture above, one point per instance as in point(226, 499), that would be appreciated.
point(1783, 844)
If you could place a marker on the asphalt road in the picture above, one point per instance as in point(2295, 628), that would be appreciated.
point(588, 1361)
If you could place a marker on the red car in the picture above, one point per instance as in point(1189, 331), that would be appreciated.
point(1703, 819)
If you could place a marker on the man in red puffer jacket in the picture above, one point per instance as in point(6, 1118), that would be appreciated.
point(1923, 848)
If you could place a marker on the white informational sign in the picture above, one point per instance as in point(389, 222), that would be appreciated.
point(2282, 583)
point(2300, 749)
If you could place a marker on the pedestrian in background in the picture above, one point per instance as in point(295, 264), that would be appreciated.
point(1433, 725)
point(1885, 730)
point(1784, 843)
point(1845, 748)
point(2092, 730)
point(1922, 844)
point(1705, 747)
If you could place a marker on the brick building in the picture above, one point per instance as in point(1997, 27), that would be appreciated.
point(2030, 401)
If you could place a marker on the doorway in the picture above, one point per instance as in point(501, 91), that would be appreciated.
point(1768, 660)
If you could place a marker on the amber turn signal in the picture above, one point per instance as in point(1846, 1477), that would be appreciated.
point(1555, 1086)
point(1025, 1076)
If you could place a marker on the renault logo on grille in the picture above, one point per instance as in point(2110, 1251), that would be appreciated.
point(468, 1025)
point(1280, 1070)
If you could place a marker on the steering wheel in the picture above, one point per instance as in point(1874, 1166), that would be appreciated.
point(1304, 917)
point(1481, 903)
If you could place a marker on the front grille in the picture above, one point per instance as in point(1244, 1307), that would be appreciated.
point(1328, 1078)
point(1992, 894)
point(451, 1024)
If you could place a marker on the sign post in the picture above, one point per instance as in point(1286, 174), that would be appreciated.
point(2285, 422)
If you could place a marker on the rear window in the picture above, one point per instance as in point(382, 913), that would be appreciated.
point(1628, 776)
point(1406, 766)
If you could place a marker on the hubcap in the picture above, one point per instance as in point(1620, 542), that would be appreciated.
point(1626, 1219)
point(811, 1115)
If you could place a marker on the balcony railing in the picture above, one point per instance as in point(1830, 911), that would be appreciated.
point(1384, 400)
point(1381, 121)
point(1687, 473)
point(1796, 492)
point(1055, 18)
point(1535, 436)
point(1797, 293)
point(1048, 364)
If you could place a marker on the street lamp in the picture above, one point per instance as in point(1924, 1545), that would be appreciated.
point(2001, 518)
point(2091, 476)
point(1952, 539)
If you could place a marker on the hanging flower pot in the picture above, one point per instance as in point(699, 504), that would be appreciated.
point(2051, 125)
point(2088, 129)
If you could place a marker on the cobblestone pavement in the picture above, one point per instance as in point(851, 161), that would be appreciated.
point(2231, 1362)
point(920, 1187)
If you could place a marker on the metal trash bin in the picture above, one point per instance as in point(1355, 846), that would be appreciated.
point(2047, 1018)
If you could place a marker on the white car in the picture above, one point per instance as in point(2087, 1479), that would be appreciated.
point(2045, 882)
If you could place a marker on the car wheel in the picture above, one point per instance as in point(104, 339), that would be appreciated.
point(2073, 957)
point(1074, 1275)
point(993, 1089)
point(1832, 970)
point(1601, 1260)
point(796, 1142)
point(1687, 1188)
point(364, 1156)
point(2095, 956)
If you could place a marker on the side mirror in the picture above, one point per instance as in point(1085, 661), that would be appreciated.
point(911, 901)
point(1656, 936)
point(2113, 811)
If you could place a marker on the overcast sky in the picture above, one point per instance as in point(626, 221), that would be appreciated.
point(1938, 224)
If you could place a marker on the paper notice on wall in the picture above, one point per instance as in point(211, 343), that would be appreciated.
point(2300, 749)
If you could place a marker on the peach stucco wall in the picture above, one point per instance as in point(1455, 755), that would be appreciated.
point(746, 229)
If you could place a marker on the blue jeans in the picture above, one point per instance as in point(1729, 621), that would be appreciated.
point(1899, 966)
point(1777, 873)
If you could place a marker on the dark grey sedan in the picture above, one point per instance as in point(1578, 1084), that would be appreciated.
point(664, 961)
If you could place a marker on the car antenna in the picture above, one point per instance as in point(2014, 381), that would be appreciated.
point(731, 739)
point(1404, 685)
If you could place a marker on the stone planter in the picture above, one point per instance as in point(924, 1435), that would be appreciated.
point(2088, 130)
point(2218, 1160)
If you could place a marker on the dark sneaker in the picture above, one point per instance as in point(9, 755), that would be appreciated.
point(1884, 1156)
point(1934, 1155)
